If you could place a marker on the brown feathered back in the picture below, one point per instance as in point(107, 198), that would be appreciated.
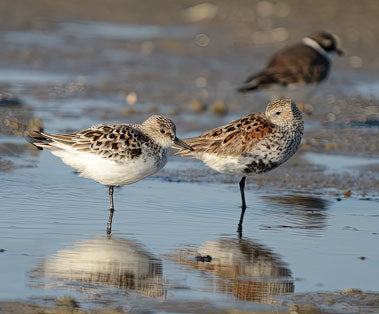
point(233, 139)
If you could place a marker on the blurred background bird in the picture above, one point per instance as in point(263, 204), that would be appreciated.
point(296, 70)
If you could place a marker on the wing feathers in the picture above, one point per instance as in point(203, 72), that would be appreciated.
point(114, 142)
point(234, 138)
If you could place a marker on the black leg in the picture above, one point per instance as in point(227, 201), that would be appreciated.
point(242, 189)
point(239, 229)
point(109, 225)
point(243, 207)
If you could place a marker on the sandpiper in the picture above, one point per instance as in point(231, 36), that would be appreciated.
point(296, 70)
point(114, 154)
point(253, 144)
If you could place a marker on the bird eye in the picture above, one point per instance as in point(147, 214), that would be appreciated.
point(163, 131)
point(277, 113)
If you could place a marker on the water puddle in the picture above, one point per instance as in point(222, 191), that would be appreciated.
point(98, 262)
point(176, 242)
point(368, 89)
point(35, 77)
point(32, 39)
point(340, 163)
point(240, 267)
point(127, 31)
point(305, 214)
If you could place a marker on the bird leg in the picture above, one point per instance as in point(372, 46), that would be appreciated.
point(243, 207)
point(242, 189)
point(109, 225)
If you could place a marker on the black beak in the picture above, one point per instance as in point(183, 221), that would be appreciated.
point(182, 144)
point(340, 52)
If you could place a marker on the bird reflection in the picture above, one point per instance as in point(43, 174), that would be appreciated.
point(305, 212)
point(107, 261)
point(243, 267)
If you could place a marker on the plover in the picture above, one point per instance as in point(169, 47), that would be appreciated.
point(253, 144)
point(295, 71)
point(115, 154)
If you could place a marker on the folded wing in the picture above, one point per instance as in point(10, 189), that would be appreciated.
point(235, 138)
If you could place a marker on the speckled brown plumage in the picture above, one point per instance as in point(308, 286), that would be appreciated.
point(114, 154)
point(254, 144)
point(115, 142)
point(236, 138)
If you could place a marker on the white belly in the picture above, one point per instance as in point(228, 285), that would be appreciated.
point(228, 165)
point(110, 172)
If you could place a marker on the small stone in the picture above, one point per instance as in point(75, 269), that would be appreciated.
point(330, 117)
point(219, 107)
point(203, 11)
point(201, 82)
point(203, 259)
point(202, 40)
point(347, 193)
point(67, 302)
point(196, 106)
point(352, 290)
point(131, 98)
point(362, 258)
point(332, 146)
point(208, 258)
point(355, 62)
point(2, 250)
point(199, 258)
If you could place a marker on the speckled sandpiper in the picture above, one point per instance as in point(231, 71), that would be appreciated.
point(114, 154)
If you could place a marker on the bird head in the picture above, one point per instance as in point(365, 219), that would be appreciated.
point(163, 131)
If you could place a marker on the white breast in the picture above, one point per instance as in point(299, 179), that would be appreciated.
point(110, 172)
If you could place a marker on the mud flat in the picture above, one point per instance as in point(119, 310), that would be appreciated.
point(310, 235)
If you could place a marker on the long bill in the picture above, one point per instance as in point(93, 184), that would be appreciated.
point(181, 143)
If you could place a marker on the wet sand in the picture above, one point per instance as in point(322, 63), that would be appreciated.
point(66, 66)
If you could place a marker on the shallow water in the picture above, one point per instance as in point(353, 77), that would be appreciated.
point(175, 243)
point(341, 163)
point(126, 32)
point(54, 222)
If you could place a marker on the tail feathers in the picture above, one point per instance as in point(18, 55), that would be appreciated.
point(258, 80)
point(247, 88)
point(250, 84)
point(38, 139)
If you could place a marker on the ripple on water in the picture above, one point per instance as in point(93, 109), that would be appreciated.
point(137, 32)
point(49, 214)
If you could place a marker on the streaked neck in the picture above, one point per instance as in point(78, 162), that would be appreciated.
point(296, 124)
point(315, 45)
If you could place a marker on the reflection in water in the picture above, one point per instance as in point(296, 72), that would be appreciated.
point(244, 268)
point(107, 261)
point(306, 212)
